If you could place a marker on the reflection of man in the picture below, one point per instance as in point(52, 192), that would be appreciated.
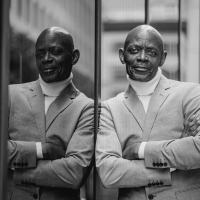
point(50, 126)
point(155, 110)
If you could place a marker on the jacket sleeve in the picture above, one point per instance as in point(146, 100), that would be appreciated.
point(180, 153)
point(70, 171)
point(21, 154)
point(116, 172)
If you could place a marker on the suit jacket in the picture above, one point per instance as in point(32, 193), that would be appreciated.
point(123, 122)
point(68, 123)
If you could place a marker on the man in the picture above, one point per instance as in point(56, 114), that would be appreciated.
point(50, 134)
point(155, 110)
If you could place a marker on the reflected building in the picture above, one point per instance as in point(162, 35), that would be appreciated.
point(30, 17)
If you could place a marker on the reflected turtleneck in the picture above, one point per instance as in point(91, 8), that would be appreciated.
point(52, 90)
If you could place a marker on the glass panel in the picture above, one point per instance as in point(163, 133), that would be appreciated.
point(28, 18)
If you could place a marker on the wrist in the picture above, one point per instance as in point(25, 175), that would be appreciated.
point(39, 150)
point(141, 150)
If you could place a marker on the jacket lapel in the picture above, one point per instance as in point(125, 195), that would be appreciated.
point(60, 103)
point(135, 106)
point(157, 99)
point(36, 99)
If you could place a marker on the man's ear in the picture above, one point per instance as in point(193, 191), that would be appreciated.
point(164, 55)
point(75, 56)
point(121, 55)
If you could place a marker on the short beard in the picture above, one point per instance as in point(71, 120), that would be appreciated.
point(135, 77)
point(49, 79)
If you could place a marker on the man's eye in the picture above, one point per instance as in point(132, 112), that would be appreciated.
point(55, 52)
point(153, 53)
point(133, 51)
point(39, 54)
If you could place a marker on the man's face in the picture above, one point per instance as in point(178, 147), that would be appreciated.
point(53, 57)
point(142, 55)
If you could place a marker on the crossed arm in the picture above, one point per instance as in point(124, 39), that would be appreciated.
point(137, 150)
point(59, 167)
point(180, 153)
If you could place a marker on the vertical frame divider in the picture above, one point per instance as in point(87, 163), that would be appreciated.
point(4, 77)
point(97, 88)
point(199, 42)
point(146, 20)
point(179, 40)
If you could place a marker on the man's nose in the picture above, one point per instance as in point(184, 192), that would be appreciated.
point(142, 56)
point(47, 57)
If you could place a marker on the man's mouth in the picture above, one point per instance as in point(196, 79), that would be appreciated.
point(49, 70)
point(139, 69)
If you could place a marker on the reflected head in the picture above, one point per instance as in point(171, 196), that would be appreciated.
point(55, 54)
point(143, 53)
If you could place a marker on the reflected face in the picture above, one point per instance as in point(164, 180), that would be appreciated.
point(53, 57)
point(143, 53)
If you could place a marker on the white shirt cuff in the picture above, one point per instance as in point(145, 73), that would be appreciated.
point(39, 150)
point(141, 150)
point(172, 169)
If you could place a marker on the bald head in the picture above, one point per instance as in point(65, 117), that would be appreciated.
point(143, 53)
point(55, 54)
point(144, 31)
point(61, 33)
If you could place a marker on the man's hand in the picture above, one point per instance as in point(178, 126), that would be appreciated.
point(193, 126)
point(52, 151)
point(131, 152)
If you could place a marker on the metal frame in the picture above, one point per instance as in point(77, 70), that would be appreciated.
point(4, 69)
point(179, 40)
point(97, 92)
point(146, 20)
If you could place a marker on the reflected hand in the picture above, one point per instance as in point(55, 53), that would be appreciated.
point(52, 151)
point(193, 126)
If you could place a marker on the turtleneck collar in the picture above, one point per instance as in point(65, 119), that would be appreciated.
point(145, 88)
point(54, 89)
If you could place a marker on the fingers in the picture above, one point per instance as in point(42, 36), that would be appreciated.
point(192, 120)
point(196, 132)
point(193, 125)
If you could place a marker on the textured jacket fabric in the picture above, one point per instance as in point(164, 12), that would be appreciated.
point(123, 122)
point(68, 123)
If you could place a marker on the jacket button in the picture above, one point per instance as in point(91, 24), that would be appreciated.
point(157, 183)
point(35, 196)
point(149, 184)
point(150, 196)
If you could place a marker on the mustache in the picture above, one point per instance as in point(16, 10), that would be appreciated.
point(146, 66)
point(47, 66)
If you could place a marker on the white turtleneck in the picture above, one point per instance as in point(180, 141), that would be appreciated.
point(51, 91)
point(144, 90)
